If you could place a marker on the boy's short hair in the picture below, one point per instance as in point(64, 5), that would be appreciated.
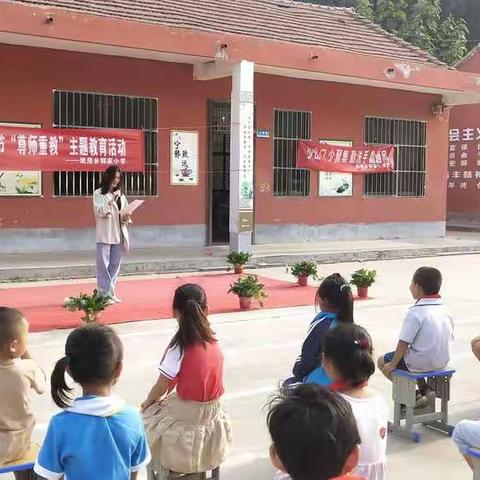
point(313, 431)
point(10, 320)
point(428, 279)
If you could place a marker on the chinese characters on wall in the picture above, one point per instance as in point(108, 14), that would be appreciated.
point(184, 158)
point(246, 156)
point(464, 159)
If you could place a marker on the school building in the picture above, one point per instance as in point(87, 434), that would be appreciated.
point(237, 84)
point(463, 210)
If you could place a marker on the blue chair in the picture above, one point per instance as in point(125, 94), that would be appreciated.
point(404, 397)
point(23, 464)
point(475, 454)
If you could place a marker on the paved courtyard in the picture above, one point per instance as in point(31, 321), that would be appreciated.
point(260, 347)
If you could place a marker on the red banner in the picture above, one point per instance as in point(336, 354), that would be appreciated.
point(331, 158)
point(48, 150)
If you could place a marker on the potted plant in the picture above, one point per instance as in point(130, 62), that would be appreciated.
point(304, 270)
point(246, 288)
point(238, 260)
point(363, 279)
point(91, 305)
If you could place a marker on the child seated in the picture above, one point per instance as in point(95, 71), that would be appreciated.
point(97, 435)
point(19, 374)
point(314, 435)
point(188, 430)
point(335, 301)
point(467, 435)
point(347, 359)
point(427, 332)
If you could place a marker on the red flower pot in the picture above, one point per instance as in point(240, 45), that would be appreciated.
point(245, 303)
point(303, 280)
point(238, 269)
point(362, 292)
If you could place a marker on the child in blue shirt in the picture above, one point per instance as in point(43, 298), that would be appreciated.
point(97, 435)
point(335, 301)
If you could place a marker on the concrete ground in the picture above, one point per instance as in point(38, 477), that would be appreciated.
point(79, 264)
point(260, 347)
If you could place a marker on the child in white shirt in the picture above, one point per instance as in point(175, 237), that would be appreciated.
point(427, 332)
point(347, 359)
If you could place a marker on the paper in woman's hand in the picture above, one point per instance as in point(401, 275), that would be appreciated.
point(133, 206)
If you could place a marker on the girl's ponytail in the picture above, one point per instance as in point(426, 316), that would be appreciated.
point(337, 294)
point(190, 304)
point(345, 307)
point(59, 388)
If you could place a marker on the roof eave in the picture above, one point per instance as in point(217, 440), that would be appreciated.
point(84, 32)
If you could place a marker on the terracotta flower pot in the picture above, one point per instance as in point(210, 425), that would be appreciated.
point(245, 303)
point(303, 280)
point(238, 269)
point(362, 292)
point(91, 317)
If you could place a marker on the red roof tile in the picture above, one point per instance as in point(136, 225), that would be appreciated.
point(284, 20)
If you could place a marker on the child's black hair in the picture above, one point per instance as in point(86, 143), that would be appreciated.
point(429, 279)
point(313, 431)
point(349, 348)
point(336, 291)
point(190, 303)
point(93, 354)
point(10, 320)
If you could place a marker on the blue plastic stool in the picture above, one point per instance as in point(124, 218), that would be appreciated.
point(404, 397)
point(23, 464)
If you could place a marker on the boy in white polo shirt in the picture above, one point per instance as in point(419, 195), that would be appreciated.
point(427, 332)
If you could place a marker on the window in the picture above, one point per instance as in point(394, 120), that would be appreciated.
point(410, 140)
point(289, 127)
point(94, 110)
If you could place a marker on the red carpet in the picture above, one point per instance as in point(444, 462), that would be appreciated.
point(142, 299)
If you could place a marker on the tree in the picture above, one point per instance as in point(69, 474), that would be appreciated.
point(452, 40)
point(365, 9)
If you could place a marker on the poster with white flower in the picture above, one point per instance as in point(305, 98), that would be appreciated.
point(20, 184)
point(335, 184)
point(184, 157)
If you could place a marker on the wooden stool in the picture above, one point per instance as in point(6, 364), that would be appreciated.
point(475, 454)
point(23, 464)
point(156, 472)
point(404, 397)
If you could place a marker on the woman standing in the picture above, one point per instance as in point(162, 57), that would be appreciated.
point(109, 205)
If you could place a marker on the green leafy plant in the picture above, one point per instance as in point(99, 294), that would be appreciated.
point(364, 278)
point(249, 287)
point(238, 258)
point(304, 269)
point(91, 305)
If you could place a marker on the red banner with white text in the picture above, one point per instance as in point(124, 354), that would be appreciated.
point(331, 158)
point(49, 150)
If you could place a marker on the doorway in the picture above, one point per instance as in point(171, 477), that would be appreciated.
point(219, 172)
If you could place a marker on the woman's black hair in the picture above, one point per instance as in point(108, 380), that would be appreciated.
point(108, 176)
point(349, 348)
point(190, 303)
point(93, 354)
point(313, 432)
point(336, 291)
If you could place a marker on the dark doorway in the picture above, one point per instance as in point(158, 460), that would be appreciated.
point(219, 171)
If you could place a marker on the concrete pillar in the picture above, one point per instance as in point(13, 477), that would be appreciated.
point(241, 157)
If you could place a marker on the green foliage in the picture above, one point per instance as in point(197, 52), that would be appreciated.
point(90, 304)
point(304, 269)
point(238, 258)
point(432, 25)
point(452, 43)
point(249, 287)
point(364, 277)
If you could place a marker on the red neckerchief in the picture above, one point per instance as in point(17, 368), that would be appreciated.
point(429, 296)
point(343, 386)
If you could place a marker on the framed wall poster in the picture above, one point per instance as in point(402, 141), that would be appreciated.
point(183, 157)
point(20, 183)
point(333, 184)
